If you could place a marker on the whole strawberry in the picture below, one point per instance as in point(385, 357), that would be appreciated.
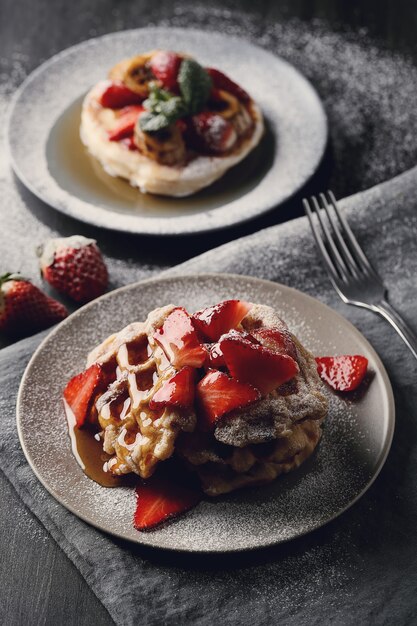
point(75, 267)
point(25, 309)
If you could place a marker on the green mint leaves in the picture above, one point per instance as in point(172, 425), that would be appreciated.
point(164, 108)
point(195, 85)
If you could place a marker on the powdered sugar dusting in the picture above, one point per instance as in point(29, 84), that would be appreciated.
point(352, 449)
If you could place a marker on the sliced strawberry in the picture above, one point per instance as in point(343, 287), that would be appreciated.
point(276, 340)
point(210, 132)
point(126, 123)
point(220, 318)
point(257, 365)
point(80, 391)
point(221, 81)
point(218, 394)
point(165, 66)
point(179, 340)
point(117, 96)
point(177, 391)
point(129, 142)
point(160, 499)
point(343, 373)
point(215, 357)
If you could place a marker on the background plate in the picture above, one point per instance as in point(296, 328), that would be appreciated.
point(45, 115)
point(356, 439)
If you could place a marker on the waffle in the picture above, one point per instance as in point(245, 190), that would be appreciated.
point(275, 415)
point(222, 468)
point(136, 437)
point(248, 446)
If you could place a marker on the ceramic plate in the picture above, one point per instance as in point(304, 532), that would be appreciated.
point(356, 435)
point(45, 115)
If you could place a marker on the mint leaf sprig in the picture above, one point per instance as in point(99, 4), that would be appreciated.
point(164, 108)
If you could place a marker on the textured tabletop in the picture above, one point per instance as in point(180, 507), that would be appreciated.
point(362, 81)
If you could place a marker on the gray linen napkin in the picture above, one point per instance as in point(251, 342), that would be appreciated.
point(358, 569)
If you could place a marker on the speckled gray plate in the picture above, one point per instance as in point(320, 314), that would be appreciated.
point(356, 439)
point(48, 156)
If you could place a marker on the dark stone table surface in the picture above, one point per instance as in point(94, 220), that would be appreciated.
point(39, 584)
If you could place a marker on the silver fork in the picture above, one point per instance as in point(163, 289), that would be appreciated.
point(349, 270)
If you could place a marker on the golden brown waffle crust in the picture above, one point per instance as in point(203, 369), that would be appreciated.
point(288, 424)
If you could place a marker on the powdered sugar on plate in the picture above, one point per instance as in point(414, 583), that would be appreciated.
point(356, 437)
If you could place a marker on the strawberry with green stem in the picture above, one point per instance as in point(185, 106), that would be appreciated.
point(24, 308)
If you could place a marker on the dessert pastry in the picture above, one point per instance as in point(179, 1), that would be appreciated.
point(168, 125)
point(229, 391)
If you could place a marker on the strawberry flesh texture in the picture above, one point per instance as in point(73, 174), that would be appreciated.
point(165, 66)
point(220, 318)
point(215, 357)
point(81, 390)
point(257, 365)
point(221, 81)
point(80, 273)
point(178, 338)
point(210, 132)
point(159, 499)
point(118, 96)
point(177, 391)
point(126, 123)
point(343, 373)
point(276, 340)
point(218, 394)
point(129, 142)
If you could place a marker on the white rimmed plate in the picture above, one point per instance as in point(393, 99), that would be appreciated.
point(48, 157)
point(356, 439)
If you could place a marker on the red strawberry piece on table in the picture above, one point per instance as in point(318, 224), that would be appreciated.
point(257, 365)
point(218, 394)
point(160, 499)
point(81, 390)
point(221, 81)
point(165, 66)
point(343, 373)
point(178, 338)
point(276, 340)
point(24, 308)
point(126, 122)
point(210, 132)
point(117, 96)
point(177, 391)
point(220, 318)
point(75, 267)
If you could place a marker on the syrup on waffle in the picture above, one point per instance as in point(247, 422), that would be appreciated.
point(246, 425)
point(136, 437)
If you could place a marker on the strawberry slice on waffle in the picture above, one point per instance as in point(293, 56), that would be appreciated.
point(178, 391)
point(178, 338)
point(257, 365)
point(81, 391)
point(216, 320)
point(218, 394)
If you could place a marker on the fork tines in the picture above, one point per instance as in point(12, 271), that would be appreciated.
point(340, 250)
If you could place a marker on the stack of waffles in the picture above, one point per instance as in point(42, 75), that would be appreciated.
point(229, 391)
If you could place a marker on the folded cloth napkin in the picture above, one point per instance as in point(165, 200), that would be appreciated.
point(358, 569)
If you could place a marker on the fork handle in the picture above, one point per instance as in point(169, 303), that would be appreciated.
point(407, 335)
